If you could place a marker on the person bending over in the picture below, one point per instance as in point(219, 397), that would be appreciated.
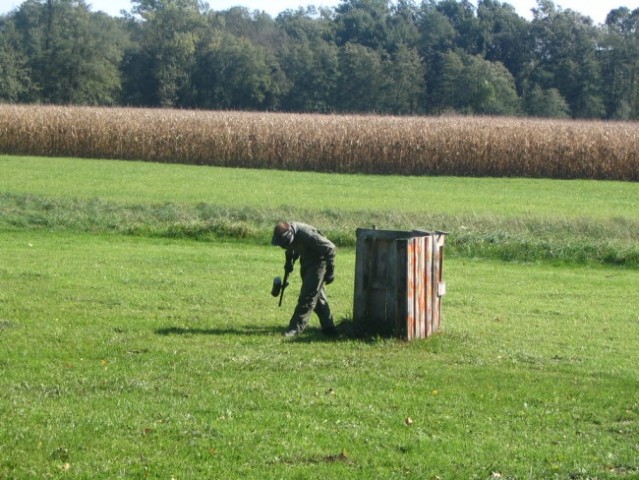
point(316, 254)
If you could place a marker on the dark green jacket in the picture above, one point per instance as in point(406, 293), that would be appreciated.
point(310, 246)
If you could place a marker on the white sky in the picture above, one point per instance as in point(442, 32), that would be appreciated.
point(595, 9)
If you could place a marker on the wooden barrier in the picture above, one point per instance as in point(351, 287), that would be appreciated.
point(398, 282)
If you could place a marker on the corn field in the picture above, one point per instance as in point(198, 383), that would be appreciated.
point(459, 146)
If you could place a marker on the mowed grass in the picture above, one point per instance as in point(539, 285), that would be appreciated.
point(131, 357)
point(513, 219)
point(151, 356)
point(138, 182)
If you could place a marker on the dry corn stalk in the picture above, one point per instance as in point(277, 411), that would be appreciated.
point(463, 146)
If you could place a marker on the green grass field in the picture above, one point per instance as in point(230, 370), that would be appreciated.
point(135, 352)
point(132, 182)
point(508, 219)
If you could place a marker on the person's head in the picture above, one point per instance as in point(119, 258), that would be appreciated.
point(283, 234)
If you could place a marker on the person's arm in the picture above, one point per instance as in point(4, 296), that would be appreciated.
point(291, 256)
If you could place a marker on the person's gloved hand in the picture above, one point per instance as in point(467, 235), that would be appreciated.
point(288, 266)
point(330, 275)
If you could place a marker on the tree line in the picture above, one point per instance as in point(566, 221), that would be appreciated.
point(373, 56)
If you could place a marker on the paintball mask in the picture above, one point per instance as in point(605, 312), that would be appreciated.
point(283, 235)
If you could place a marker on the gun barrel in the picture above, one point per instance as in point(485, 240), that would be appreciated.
point(284, 285)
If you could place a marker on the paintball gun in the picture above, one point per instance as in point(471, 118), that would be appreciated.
point(279, 286)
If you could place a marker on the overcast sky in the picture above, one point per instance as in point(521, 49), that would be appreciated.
point(595, 9)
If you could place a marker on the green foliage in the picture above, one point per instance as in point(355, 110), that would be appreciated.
point(69, 55)
point(233, 73)
point(406, 90)
point(362, 78)
point(363, 22)
point(167, 46)
point(504, 36)
point(361, 56)
point(567, 44)
point(473, 85)
point(312, 68)
point(619, 67)
point(546, 103)
point(14, 75)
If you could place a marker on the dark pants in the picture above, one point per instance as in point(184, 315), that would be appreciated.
point(312, 299)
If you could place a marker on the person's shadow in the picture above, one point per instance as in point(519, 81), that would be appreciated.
point(346, 330)
point(247, 331)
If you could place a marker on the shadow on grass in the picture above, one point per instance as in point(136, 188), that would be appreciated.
point(247, 331)
point(347, 330)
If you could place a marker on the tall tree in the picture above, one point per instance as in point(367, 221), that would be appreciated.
point(437, 38)
point(167, 37)
point(406, 88)
point(309, 59)
point(547, 103)
point(403, 25)
point(620, 60)
point(362, 80)
point(232, 73)
point(259, 27)
point(312, 69)
point(461, 15)
point(565, 58)
point(504, 37)
point(471, 84)
point(437, 33)
point(363, 22)
point(14, 75)
point(72, 54)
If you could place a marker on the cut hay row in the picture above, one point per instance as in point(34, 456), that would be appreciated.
point(459, 146)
